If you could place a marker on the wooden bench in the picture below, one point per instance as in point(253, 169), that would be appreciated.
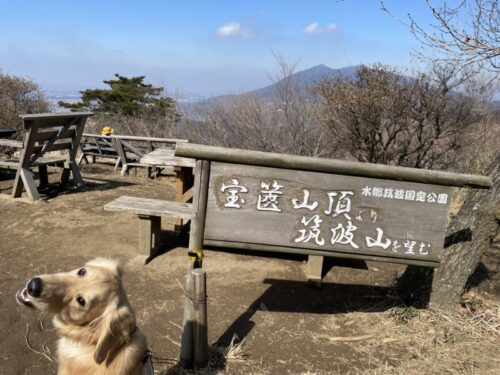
point(150, 212)
point(320, 207)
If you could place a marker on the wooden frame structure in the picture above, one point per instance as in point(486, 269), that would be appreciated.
point(216, 165)
point(46, 133)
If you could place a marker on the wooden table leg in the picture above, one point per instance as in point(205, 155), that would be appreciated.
point(43, 176)
point(24, 178)
point(149, 234)
point(179, 184)
point(184, 183)
point(315, 270)
point(77, 177)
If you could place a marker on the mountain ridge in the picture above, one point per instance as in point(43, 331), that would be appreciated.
point(309, 77)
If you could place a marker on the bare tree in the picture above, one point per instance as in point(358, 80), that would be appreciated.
point(481, 143)
point(466, 38)
point(380, 116)
point(284, 123)
point(19, 96)
point(466, 35)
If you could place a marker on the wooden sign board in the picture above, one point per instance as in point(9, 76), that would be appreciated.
point(264, 208)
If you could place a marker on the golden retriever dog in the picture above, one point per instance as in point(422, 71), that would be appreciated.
point(95, 323)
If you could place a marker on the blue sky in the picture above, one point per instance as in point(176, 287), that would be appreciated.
point(205, 47)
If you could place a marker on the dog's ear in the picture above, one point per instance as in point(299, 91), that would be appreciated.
point(109, 264)
point(117, 326)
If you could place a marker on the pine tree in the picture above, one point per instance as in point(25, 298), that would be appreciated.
point(126, 96)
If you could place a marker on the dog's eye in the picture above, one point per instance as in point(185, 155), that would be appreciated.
point(82, 272)
point(81, 301)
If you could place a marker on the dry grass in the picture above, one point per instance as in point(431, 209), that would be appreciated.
point(436, 342)
point(400, 340)
point(222, 360)
point(234, 352)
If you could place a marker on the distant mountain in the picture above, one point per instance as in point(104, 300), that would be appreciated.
point(304, 79)
point(309, 77)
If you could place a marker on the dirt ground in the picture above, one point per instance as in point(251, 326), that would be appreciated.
point(353, 325)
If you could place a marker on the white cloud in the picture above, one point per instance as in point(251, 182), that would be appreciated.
point(229, 29)
point(233, 29)
point(315, 28)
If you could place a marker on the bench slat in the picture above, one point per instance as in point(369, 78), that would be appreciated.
point(151, 207)
point(166, 157)
point(91, 153)
point(89, 147)
point(11, 143)
point(48, 134)
point(14, 163)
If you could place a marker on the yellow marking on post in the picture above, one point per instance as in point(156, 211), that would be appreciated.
point(196, 257)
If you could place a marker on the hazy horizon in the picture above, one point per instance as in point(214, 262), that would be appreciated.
point(62, 92)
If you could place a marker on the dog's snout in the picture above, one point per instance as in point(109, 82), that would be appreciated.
point(35, 287)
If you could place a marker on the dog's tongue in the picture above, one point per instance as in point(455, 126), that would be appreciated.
point(23, 299)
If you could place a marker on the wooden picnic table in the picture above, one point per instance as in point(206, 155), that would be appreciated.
point(183, 167)
point(45, 133)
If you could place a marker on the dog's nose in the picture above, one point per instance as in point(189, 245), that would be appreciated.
point(35, 287)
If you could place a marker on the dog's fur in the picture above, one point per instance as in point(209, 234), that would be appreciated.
point(100, 337)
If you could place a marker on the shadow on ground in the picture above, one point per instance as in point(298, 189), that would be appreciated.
point(299, 297)
point(170, 240)
point(54, 189)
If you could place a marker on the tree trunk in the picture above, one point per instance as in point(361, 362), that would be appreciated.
point(469, 236)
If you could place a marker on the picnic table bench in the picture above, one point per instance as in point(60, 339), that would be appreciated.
point(46, 133)
point(150, 211)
